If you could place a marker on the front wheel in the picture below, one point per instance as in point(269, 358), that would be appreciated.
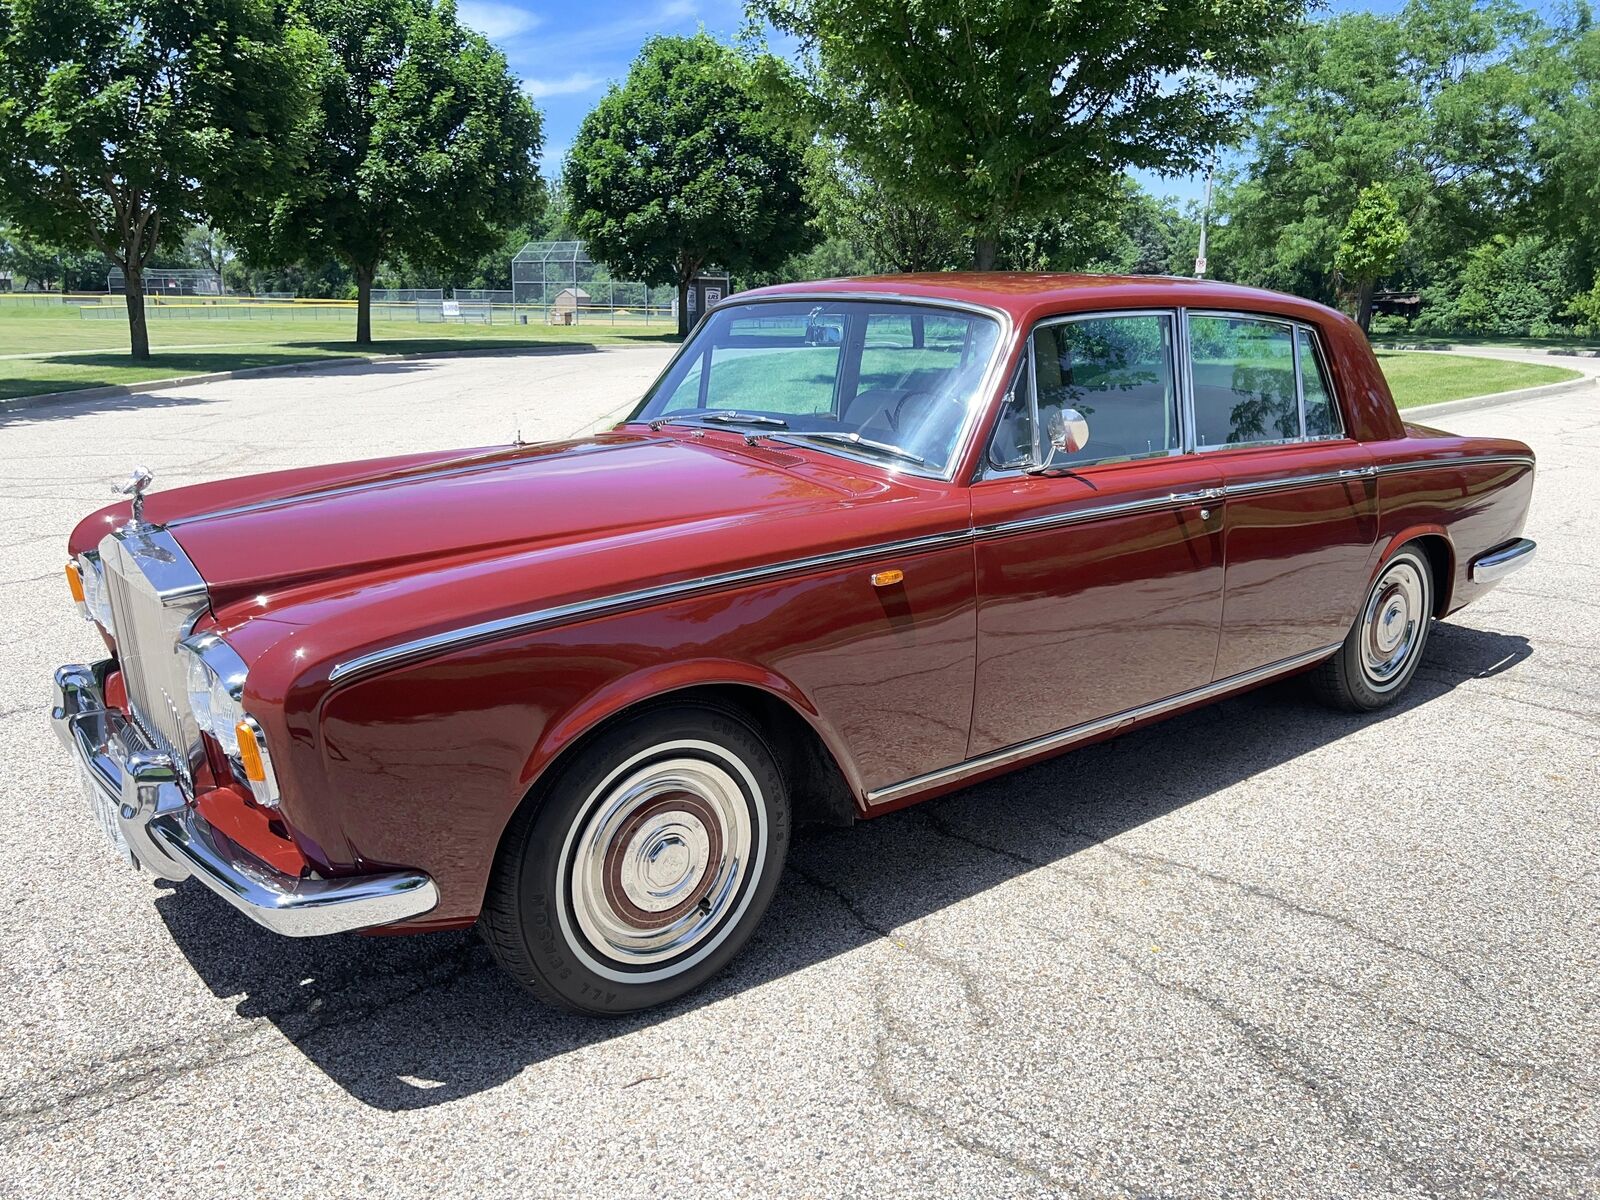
point(1381, 652)
point(644, 866)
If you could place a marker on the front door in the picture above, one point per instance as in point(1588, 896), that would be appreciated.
point(1099, 579)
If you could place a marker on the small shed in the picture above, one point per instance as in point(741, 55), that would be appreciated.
point(564, 308)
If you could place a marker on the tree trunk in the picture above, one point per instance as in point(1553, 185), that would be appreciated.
point(985, 249)
point(364, 277)
point(133, 294)
point(683, 308)
point(1364, 292)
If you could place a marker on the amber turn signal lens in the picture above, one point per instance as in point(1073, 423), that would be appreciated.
point(250, 753)
point(75, 583)
point(887, 578)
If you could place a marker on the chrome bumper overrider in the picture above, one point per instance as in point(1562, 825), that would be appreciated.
point(139, 789)
point(1497, 564)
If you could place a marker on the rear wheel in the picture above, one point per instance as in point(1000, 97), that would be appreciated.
point(645, 865)
point(1381, 652)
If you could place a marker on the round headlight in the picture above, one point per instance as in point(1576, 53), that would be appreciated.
point(96, 597)
point(215, 710)
point(198, 680)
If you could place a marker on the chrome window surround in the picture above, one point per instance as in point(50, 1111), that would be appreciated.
point(1294, 327)
point(1184, 383)
point(1028, 369)
point(977, 403)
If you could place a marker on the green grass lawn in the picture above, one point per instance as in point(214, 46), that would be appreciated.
point(1433, 378)
point(63, 351)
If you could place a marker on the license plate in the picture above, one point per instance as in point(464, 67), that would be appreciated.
point(105, 815)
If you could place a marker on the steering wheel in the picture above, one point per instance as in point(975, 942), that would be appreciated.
point(922, 399)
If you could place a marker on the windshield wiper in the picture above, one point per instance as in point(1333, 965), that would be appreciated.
point(721, 417)
point(861, 443)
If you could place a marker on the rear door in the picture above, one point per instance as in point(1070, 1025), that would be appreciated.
point(1100, 579)
point(1301, 509)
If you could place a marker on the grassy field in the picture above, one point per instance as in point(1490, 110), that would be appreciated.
point(46, 349)
point(1433, 378)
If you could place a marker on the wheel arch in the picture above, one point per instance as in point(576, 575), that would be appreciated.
point(1436, 546)
point(813, 760)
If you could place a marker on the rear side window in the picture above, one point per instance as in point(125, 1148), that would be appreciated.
point(1322, 418)
point(1244, 388)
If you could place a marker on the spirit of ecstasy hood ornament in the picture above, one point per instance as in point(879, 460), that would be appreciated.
point(135, 487)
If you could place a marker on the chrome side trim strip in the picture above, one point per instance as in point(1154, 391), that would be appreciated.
point(1464, 460)
point(599, 606)
point(1079, 733)
point(581, 609)
point(1345, 475)
point(1497, 564)
point(1098, 512)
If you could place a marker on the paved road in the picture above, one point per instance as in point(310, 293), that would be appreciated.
point(1259, 949)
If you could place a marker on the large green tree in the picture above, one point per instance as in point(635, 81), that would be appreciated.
point(429, 148)
point(1430, 102)
point(996, 111)
point(683, 165)
point(122, 122)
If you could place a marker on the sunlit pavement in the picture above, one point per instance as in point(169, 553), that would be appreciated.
point(1260, 949)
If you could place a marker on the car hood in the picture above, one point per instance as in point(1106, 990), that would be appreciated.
point(432, 540)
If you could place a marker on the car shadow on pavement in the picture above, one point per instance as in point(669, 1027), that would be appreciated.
point(410, 1022)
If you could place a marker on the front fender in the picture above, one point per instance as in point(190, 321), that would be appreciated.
point(658, 681)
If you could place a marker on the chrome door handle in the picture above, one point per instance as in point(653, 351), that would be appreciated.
point(1356, 472)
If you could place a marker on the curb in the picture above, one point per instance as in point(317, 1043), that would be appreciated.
point(313, 364)
point(1496, 399)
point(1485, 351)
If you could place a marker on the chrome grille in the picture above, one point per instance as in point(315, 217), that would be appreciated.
point(156, 594)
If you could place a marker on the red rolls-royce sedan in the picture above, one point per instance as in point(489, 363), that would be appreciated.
point(861, 543)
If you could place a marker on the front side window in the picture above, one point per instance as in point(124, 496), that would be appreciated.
point(1244, 382)
point(1115, 371)
point(888, 381)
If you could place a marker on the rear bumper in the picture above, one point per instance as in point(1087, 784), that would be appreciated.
point(1500, 562)
point(139, 789)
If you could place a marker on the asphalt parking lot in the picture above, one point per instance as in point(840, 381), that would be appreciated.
point(1260, 949)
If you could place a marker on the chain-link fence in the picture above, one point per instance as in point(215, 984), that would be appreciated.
point(177, 281)
point(558, 283)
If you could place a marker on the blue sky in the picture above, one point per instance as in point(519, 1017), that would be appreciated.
point(566, 53)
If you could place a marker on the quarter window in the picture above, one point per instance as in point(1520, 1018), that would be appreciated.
point(1322, 419)
point(1116, 371)
point(1244, 381)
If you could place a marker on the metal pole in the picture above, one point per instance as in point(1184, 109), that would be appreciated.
point(1205, 216)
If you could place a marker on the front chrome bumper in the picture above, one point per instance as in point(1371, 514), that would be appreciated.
point(137, 788)
point(1498, 563)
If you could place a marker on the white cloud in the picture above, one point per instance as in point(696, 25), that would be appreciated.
point(569, 85)
point(496, 21)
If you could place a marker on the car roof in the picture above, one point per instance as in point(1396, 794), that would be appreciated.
point(1027, 296)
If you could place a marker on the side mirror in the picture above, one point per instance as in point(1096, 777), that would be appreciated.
point(1069, 431)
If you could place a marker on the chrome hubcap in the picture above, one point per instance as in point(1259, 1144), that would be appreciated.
point(659, 860)
point(1393, 624)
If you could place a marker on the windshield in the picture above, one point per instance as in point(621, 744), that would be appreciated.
point(874, 379)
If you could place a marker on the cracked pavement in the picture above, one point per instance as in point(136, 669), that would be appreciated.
point(1259, 949)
